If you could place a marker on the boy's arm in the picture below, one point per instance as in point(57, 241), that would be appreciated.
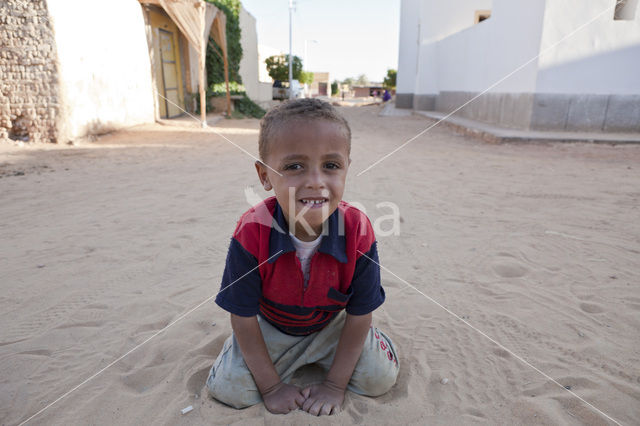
point(327, 397)
point(278, 397)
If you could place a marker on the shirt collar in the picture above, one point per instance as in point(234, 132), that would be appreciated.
point(333, 240)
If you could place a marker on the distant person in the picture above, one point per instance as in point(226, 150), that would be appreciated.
point(386, 96)
point(302, 277)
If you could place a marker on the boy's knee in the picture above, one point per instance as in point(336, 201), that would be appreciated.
point(375, 385)
point(377, 369)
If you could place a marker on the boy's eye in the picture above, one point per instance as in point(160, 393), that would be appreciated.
point(332, 165)
point(294, 166)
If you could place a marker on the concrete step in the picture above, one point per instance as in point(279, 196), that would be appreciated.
point(496, 134)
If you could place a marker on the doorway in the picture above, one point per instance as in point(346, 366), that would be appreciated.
point(167, 61)
point(169, 74)
point(322, 89)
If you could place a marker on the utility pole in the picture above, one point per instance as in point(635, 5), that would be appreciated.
point(290, 51)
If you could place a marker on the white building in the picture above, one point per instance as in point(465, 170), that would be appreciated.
point(251, 64)
point(558, 64)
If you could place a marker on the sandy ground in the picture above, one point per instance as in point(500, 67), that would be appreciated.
point(104, 244)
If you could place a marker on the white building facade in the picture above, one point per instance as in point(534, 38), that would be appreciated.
point(565, 65)
point(105, 74)
point(258, 89)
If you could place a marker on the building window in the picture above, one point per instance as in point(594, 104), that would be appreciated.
point(482, 15)
point(625, 10)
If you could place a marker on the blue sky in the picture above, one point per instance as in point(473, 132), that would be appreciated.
point(354, 36)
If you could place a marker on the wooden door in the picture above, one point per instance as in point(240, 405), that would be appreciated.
point(322, 89)
point(169, 75)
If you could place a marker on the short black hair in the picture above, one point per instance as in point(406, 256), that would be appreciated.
point(298, 109)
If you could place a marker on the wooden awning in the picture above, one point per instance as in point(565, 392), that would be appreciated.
point(197, 20)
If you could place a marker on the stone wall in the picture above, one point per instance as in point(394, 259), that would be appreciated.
point(29, 105)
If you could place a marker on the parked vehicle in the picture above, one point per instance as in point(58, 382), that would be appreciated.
point(281, 91)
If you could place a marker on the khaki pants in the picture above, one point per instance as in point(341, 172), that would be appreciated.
point(230, 380)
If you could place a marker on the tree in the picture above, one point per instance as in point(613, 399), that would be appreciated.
point(306, 77)
point(349, 82)
point(362, 80)
point(278, 67)
point(335, 87)
point(390, 80)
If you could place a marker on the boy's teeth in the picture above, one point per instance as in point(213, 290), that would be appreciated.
point(313, 201)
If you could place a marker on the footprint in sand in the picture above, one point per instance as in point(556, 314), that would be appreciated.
point(357, 410)
point(501, 353)
point(40, 352)
point(591, 308)
point(197, 381)
point(506, 267)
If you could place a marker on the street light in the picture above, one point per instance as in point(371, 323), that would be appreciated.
point(305, 52)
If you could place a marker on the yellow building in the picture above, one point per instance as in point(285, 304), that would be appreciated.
point(178, 32)
point(169, 55)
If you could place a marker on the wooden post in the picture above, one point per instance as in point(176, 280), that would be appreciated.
point(226, 80)
point(201, 70)
point(203, 100)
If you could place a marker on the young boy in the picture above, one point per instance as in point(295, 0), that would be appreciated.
point(296, 263)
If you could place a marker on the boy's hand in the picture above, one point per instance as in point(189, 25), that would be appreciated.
point(323, 399)
point(283, 398)
point(327, 397)
point(278, 398)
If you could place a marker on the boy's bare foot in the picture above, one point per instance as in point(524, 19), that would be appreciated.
point(283, 398)
point(323, 399)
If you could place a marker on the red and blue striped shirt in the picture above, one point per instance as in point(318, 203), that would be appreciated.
point(263, 275)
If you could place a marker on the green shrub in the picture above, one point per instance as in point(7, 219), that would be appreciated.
point(215, 65)
point(249, 108)
point(214, 62)
point(220, 89)
point(334, 88)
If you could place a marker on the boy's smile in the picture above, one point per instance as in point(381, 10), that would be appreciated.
point(312, 157)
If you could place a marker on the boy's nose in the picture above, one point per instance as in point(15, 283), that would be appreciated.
point(315, 179)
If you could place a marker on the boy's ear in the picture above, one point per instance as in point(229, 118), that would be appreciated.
point(262, 175)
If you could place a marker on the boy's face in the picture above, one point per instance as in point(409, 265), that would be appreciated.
point(313, 158)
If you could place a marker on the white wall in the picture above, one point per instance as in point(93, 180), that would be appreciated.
point(474, 59)
point(408, 48)
point(452, 54)
point(249, 62)
point(423, 24)
point(105, 70)
point(603, 57)
point(439, 19)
